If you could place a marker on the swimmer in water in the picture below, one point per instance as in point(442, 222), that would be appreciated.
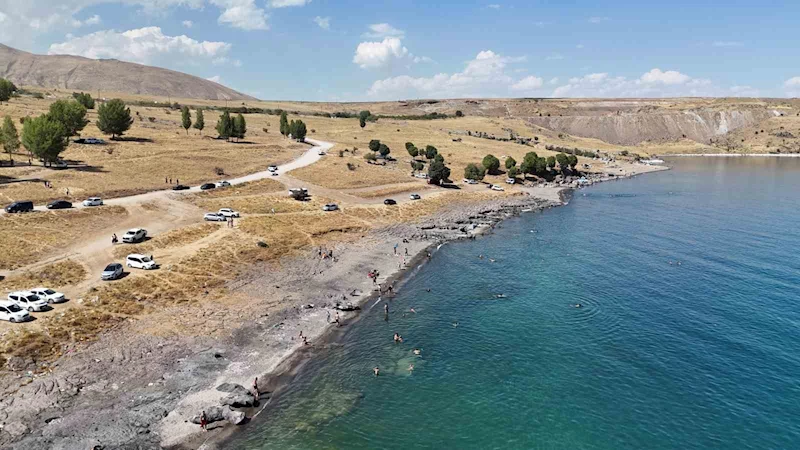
point(491, 260)
point(410, 367)
point(578, 305)
point(376, 370)
point(428, 290)
point(455, 324)
point(417, 351)
point(412, 310)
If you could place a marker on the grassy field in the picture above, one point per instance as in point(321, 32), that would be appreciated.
point(55, 275)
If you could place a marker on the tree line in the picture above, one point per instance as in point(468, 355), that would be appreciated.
point(532, 164)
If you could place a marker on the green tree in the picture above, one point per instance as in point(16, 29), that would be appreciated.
point(114, 118)
point(474, 172)
point(431, 152)
point(491, 163)
point(84, 99)
point(370, 156)
point(540, 165)
point(510, 162)
point(298, 130)
point(459, 113)
point(284, 127)
point(225, 125)
point(364, 115)
point(9, 137)
point(438, 172)
point(6, 89)
point(186, 119)
point(513, 172)
point(439, 157)
point(374, 145)
point(412, 150)
point(528, 165)
point(572, 160)
point(239, 127)
point(45, 138)
point(199, 121)
point(419, 165)
point(71, 114)
point(384, 150)
point(361, 122)
point(551, 162)
point(563, 161)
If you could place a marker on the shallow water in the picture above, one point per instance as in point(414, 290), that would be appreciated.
point(701, 353)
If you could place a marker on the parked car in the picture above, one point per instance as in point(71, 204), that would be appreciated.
point(112, 272)
point(214, 217)
point(273, 168)
point(28, 300)
point(59, 204)
point(495, 187)
point(180, 187)
point(49, 295)
point(330, 207)
point(207, 186)
point(510, 180)
point(414, 197)
point(470, 181)
point(389, 201)
point(11, 312)
point(134, 235)
point(321, 153)
point(138, 261)
point(20, 207)
point(93, 201)
point(60, 164)
point(93, 141)
point(228, 212)
point(422, 175)
point(222, 184)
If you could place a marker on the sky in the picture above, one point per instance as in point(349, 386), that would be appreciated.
point(343, 50)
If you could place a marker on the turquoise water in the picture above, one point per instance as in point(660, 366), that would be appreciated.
point(705, 354)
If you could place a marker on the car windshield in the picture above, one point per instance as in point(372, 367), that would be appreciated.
point(110, 268)
point(32, 298)
point(14, 308)
point(49, 291)
point(146, 259)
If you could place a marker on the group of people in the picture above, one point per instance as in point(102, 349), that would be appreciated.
point(168, 180)
point(325, 253)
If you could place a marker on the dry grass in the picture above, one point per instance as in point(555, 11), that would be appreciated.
point(24, 238)
point(174, 238)
point(392, 190)
point(264, 186)
point(262, 204)
point(55, 275)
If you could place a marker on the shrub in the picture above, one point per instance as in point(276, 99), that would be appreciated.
point(219, 171)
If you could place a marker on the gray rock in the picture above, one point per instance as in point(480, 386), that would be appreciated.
point(235, 417)
point(239, 400)
point(15, 429)
point(216, 414)
point(233, 388)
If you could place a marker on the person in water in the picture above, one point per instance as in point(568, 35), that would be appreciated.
point(578, 305)
point(410, 367)
point(376, 370)
point(417, 351)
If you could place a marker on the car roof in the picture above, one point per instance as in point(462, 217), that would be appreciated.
point(113, 264)
point(40, 289)
point(21, 293)
point(6, 303)
point(93, 198)
point(137, 255)
point(134, 230)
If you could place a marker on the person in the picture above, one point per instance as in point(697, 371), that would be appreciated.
point(166, 180)
point(203, 421)
point(177, 181)
point(68, 196)
point(114, 239)
point(410, 367)
point(412, 310)
point(455, 324)
point(328, 319)
point(417, 351)
point(578, 305)
point(170, 181)
point(386, 308)
point(376, 370)
point(406, 251)
point(305, 340)
point(397, 337)
point(338, 324)
point(255, 388)
point(395, 249)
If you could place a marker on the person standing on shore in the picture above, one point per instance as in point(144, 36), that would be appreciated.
point(203, 421)
point(255, 388)
point(395, 249)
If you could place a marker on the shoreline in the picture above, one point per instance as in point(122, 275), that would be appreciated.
point(732, 155)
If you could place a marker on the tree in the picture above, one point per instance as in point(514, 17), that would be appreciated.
point(199, 121)
point(361, 122)
point(513, 172)
point(437, 172)
point(6, 89)
point(572, 160)
point(225, 125)
point(45, 138)
point(419, 165)
point(384, 150)
point(439, 157)
point(551, 162)
point(510, 162)
point(459, 113)
point(528, 165)
point(374, 145)
point(431, 152)
point(541, 165)
point(239, 127)
point(284, 127)
point(71, 114)
point(412, 150)
point(474, 172)
point(363, 116)
point(297, 128)
point(491, 163)
point(9, 137)
point(84, 99)
point(563, 161)
point(114, 118)
point(186, 119)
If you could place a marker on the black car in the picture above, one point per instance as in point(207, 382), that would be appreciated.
point(207, 186)
point(389, 201)
point(59, 204)
point(181, 187)
point(19, 207)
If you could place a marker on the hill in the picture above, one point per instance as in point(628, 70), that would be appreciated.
point(78, 73)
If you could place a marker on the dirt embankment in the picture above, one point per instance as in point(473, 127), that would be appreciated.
point(657, 126)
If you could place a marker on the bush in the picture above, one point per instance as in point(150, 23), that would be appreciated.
point(219, 171)
point(370, 157)
point(351, 166)
point(459, 113)
point(491, 163)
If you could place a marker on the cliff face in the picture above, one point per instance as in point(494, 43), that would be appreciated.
point(630, 129)
point(74, 72)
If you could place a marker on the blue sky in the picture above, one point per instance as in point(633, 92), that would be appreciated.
point(384, 50)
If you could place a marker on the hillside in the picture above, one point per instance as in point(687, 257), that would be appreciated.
point(78, 73)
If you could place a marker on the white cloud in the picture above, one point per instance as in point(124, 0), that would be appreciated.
point(287, 3)
point(94, 20)
point(554, 57)
point(668, 77)
point(598, 19)
point(215, 79)
point(484, 76)
point(144, 45)
point(528, 83)
point(323, 22)
point(187, 23)
point(553, 80)
point(493, 6)
point(727, 44)
point(793, 82)
point(224, 60)
point(383, 30)
point(421, 59)
point(243, 14)
point(370, 55)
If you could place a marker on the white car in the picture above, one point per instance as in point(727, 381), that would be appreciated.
point(510, 180)
point(272, 168)
point(27, 300)
point(321, 153)
point(422, 175)
point(93, 201)
point(414, 197)
point(470, 181)
point(330, 207)
point(496, 188)
point(214, 217)
point(137, 261)
point(49, 295)
point(11, 312)
point(222, 184)
point(228, 212)
point(134, 235)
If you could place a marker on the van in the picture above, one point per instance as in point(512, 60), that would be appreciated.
point(18, 207)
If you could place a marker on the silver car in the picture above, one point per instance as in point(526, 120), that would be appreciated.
point(112, 272)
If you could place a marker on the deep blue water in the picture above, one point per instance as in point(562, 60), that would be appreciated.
point(705, 354)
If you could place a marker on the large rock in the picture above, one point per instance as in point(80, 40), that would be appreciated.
point(239, 400)
point(233, 388)
point(217, 413)
point(234, 417)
